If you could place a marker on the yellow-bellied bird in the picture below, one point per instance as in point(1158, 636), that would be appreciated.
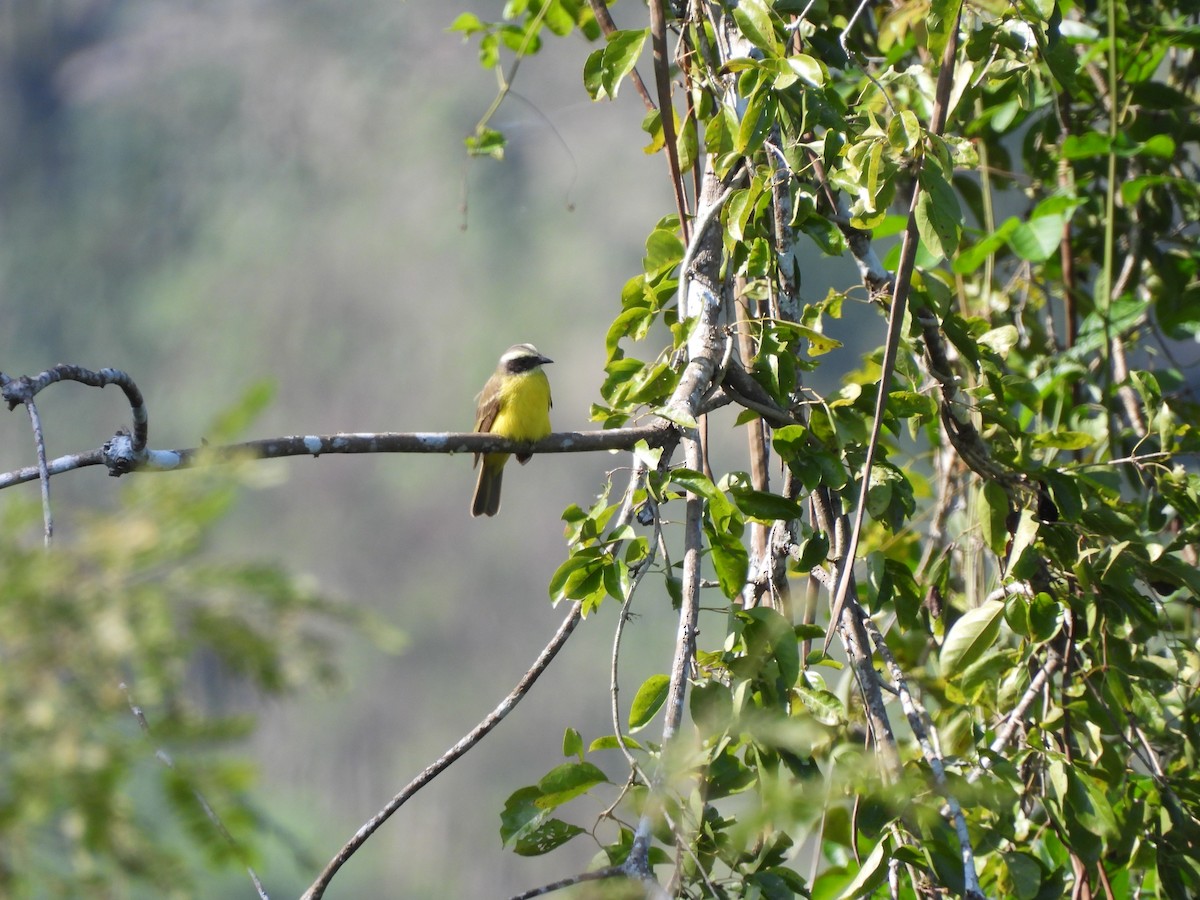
point(515, 403)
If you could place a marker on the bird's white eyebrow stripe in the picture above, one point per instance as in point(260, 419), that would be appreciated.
point(521, 352)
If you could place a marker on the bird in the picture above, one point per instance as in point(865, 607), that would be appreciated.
point(515, 403)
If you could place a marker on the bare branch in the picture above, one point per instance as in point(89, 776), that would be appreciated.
point(23, 389)
point(562, 884)
point(473, 737)
point(120, 458)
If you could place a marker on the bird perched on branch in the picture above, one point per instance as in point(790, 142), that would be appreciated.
point(515, 403)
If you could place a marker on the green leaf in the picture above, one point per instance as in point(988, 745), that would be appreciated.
point(610, 742)
point(1085, 146)
point(572, 744)
point(939, 217)
point(824, 706)
point(486, 142)
point(1065, 493)
point(725, 518)
point(1045, 617)
point(993, 517)
point(971, 636)
point(566, 782)
point(711, 706)
point(547, 836)
point(1024, 875)
point(974, 256)
point(943, 16)
point(904, 131)
point(650, 696)
point(664, 251)
point(520, 813)
point(1038, 239)
point(814, 550)
point(807, 68)
point(1001, 340)
point(467, 23)
point(870, 874)
point(731, 562)
point(1063, 440)
point(579, 576)
point(1023, 538)
point(756, 121)
point(766, 506)
point(754, 20)
point(620, 56)
point(768, 635)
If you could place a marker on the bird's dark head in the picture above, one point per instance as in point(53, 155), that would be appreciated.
point(522, 358)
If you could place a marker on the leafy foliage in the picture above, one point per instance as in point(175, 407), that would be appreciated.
point(136, 612)
point(1032, 512)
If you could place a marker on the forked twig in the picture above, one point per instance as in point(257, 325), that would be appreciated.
point(165, 758)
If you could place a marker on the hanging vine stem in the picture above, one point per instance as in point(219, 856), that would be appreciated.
point(900, 291)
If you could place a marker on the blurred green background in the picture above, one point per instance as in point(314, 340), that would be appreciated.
point(207, 195)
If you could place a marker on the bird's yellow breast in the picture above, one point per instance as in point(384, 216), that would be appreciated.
point(524, 413)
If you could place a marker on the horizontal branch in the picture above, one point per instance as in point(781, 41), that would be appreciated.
point(118, 456)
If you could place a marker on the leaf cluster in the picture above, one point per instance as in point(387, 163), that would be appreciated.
point(137, 612)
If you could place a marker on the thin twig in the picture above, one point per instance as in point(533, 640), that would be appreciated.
point(473, 737)
point(666, 110)
point(562, 884)
point(1017, 714)
point(165, 758)
point(636, 480)
point(39, 440)
point(900, 290)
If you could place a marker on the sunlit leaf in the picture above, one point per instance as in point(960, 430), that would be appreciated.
point(971, 636)
point(649, 698)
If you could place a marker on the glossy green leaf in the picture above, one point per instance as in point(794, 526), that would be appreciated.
point(547, 836)
point(648, 700)
point(993, 517)
point(754, 19)
point(731, 562)
point(939, 217)
point(572, 744)
point(619, 58)
point(972, 635)
point(566, 782)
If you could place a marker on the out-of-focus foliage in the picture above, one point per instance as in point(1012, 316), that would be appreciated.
point(1030, 546)
point(134, 609)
